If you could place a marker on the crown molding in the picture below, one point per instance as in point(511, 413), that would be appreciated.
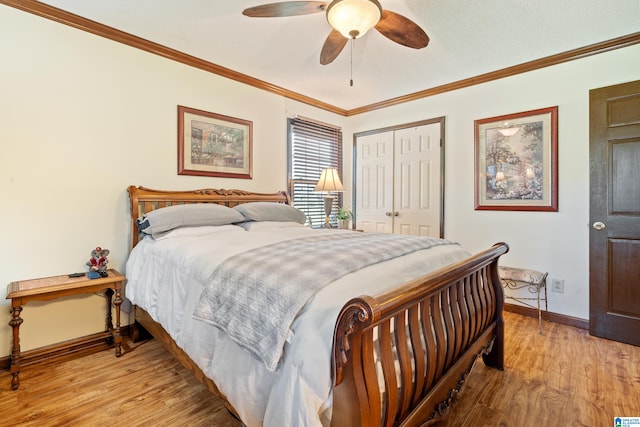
point(93, 27)
point(548, 61)
point(58, 15)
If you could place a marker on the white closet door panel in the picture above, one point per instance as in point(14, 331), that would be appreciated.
point(417, 172)
point(374, 182)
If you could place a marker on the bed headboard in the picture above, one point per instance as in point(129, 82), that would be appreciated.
point(145, 200)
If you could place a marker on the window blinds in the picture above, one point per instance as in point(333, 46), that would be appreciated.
point(312, 147)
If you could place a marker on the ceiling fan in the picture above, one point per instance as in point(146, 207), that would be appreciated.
point(350, 19)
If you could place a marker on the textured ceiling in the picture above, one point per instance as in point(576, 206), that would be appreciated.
point(468, 38)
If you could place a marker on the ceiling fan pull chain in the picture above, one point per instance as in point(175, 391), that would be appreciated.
point(353, 40)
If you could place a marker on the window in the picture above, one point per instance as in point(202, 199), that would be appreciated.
point(312, 146)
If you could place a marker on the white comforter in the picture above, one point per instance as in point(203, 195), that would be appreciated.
point(167, 276)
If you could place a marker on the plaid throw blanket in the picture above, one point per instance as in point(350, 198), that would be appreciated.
point(254, 296)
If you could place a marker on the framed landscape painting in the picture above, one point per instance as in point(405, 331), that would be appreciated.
point(211, 144)
point(516, 161)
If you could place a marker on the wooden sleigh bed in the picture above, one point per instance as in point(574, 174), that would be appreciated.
point(383, 374)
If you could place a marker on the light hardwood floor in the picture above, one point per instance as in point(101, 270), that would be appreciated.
point(564, 378)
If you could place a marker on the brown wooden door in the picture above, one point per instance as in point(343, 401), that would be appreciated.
point(614, 244)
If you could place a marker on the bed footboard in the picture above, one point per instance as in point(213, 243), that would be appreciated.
point(402, 357)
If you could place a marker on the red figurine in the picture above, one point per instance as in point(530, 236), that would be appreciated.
point(98, 263)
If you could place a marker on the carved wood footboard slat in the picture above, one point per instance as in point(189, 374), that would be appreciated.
point(399, 358)
point(405, 354)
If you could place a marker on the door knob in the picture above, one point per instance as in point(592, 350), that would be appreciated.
point(396, 213)
point(387, 213)
point(599, 225)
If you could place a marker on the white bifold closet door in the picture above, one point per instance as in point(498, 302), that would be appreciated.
point(398, 181)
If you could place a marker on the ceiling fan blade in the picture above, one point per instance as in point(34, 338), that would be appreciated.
point(402, 30)
point(287, 8)
point(332, 47)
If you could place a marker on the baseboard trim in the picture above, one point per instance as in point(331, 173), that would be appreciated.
point(65, 350)
point(547, 315)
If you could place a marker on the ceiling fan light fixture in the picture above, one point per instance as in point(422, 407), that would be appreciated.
point(353, 18)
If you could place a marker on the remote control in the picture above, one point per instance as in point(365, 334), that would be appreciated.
point(76, 275)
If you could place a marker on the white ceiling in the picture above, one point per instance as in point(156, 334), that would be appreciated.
point(468, 38)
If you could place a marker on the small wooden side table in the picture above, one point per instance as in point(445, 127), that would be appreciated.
point(48, 288)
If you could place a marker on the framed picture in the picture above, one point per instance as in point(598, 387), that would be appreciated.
point(211, 144)
point(516, 158)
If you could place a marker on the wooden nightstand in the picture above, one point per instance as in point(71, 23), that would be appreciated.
point(48, 288)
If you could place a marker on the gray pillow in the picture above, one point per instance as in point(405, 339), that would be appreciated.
point(162, 220)
point(267, 211)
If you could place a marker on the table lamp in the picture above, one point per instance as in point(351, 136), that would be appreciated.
point(329, 181)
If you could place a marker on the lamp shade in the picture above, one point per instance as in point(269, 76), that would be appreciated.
point(329, 181)
point(353, 18)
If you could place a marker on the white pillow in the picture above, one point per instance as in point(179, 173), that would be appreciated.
point(199, 231)
point(268, 225)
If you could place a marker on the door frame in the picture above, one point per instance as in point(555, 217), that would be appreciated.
point(354, 165)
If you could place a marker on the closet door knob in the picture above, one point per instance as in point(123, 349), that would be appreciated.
point(599, 225)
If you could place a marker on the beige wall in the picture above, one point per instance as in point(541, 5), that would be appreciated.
point(81, 118)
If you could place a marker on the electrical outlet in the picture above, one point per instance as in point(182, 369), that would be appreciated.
point(557, 285)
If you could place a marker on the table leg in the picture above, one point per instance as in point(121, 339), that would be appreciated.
point(14, 366)
point(539, 313)
point(118, 337)
point(108, 293)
